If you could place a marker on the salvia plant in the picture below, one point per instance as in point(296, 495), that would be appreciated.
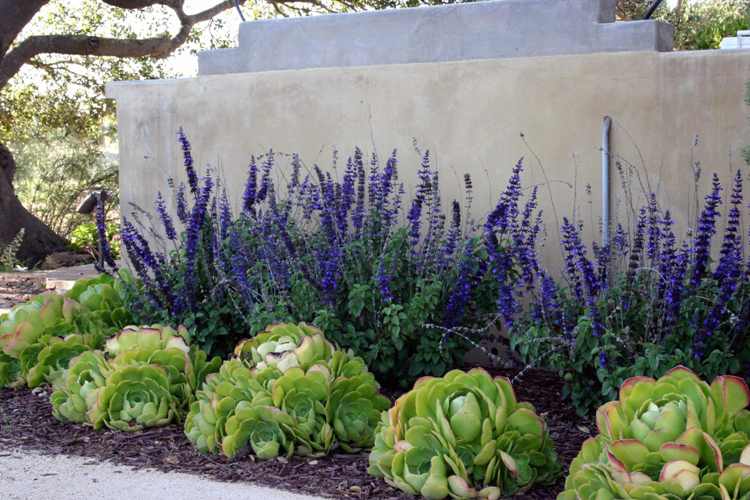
point(379, 272)
point(288, 391)
point(672, 438)
point(144, 377)
point(465, 436)
point(38, 338)
point(645, 302)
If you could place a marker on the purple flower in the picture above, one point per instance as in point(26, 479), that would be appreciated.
point(576, 252)
point(549, 303)
point(453, 233)
point(166, 219)
point(101, 229)
point(188, 162)
point(239, 264)
point(265, 179)
point(675, 290)
point(635, 256)
point(654, 230)
point(568, 237)
point(182, 210)
point(248, 198)
point(359, 210)
point(620, 240)
point(705, 233)
point(668, 256)
point(193, 230)
point(460, 294)
point(384, 282)
point(225, 217)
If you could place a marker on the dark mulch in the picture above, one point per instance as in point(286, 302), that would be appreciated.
point(26, 422)
point(19, 287)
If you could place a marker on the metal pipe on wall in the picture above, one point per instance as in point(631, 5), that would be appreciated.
point(606, 129)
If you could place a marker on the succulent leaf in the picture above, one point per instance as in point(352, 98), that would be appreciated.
point(462, 435)
point(672, 438)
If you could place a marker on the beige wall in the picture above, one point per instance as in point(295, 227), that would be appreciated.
point(470, 114)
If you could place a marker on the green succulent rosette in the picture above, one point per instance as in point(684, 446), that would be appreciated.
point(463, 435)
point(289, 391)
point(673, 438)
point(165, 347)
point(285, 346)
point(217, 401)
point(134, 397)
point(76, 392)
point(262, 428)
point(53, 359)
point(355, 403)
point(102, 299)
point(123, 387)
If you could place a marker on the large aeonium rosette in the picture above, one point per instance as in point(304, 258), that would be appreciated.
point(290, 392)
point(134, 397)
point(672, 438)
point(124, 387)
point(463, 435)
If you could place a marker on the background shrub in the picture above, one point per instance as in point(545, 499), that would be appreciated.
point(644, 304)
point(389, 276)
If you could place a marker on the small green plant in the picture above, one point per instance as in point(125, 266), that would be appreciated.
point(8, 259)
point(85, 238)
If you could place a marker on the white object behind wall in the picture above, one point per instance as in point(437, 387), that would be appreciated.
point(741, 41)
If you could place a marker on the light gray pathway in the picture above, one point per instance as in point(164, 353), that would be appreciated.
point(27, 475)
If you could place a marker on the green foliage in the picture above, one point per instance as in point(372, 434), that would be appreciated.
point(671, 438)
point(146, 377)
point(289, 391)
point(702, 25)
point(85, 237)
point(8, 260)
point(698, 24)
point(463, 435)
point(392, 336)
point(628, 343)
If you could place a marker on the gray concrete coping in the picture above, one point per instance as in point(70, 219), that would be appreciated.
point(478, 30)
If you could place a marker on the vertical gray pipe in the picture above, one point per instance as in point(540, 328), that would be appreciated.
point(606, 128)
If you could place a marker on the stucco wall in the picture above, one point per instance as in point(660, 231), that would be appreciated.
point(470, 114)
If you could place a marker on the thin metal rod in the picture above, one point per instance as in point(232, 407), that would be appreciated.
point(239, 11)
point(652, 8)
point(606, 127)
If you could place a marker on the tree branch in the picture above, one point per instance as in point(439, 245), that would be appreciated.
point(15, 15)
point(82, 45)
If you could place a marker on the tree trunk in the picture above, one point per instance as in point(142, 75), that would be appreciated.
point(39, 240)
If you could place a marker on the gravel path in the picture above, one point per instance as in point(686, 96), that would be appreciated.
point(26, 475)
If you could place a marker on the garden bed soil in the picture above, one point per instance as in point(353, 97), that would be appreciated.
point(19, 287)
point(26, 422)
